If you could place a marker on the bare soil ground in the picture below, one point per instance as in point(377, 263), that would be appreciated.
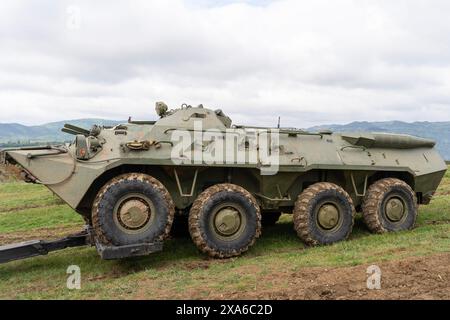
point(50, 233)
point(414, 278)
point(9, 173)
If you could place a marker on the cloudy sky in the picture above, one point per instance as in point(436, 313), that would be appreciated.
point(312, 62)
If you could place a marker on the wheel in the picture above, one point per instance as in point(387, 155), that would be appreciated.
point(390, 205)
point(132, 208)
point(224, 221)
point(270, 218)
point(323, 214)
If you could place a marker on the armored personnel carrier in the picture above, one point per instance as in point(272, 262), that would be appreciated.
point(130, 181)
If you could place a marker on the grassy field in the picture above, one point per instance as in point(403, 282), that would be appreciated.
point(30, 211)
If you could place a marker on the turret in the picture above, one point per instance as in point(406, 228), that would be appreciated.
point(186, 116)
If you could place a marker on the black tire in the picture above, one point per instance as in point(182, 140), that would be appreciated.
point(313, 207)
point(245, 223)
point(269, 219)
point(132, 208)
point(379, 197)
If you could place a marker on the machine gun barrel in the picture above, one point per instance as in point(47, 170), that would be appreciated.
point(76, 129)
point(69, 131)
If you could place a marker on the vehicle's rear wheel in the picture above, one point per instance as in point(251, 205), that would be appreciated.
point(132, 208)
point(270, 218)
point(390, 205)
point(323, 214)
point(225, 221)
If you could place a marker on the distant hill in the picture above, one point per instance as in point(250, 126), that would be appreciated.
point(13, 133)
point(438, 131)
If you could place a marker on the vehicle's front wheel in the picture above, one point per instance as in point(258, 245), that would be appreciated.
point(225, 221)
point(323, 214)
point(390, 205)
point(132, 208)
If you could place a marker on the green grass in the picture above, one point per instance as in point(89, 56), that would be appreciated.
point(27, 207)
point(180, 271)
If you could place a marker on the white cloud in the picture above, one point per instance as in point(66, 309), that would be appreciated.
point(312, 62)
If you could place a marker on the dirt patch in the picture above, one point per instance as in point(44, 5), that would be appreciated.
point(194, 265)
point(41, 234)
point(56, 202)
point(9, 173)
point(411, 278)
point(436, 222)
point(414, 278)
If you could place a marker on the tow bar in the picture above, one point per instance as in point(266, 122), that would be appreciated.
point(33, 248)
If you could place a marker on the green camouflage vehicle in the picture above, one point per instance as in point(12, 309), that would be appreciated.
point(130, 182)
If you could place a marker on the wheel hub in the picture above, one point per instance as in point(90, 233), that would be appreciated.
point(227, 221)
point(395, 209)
point(328, 216)
point(134, 214)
